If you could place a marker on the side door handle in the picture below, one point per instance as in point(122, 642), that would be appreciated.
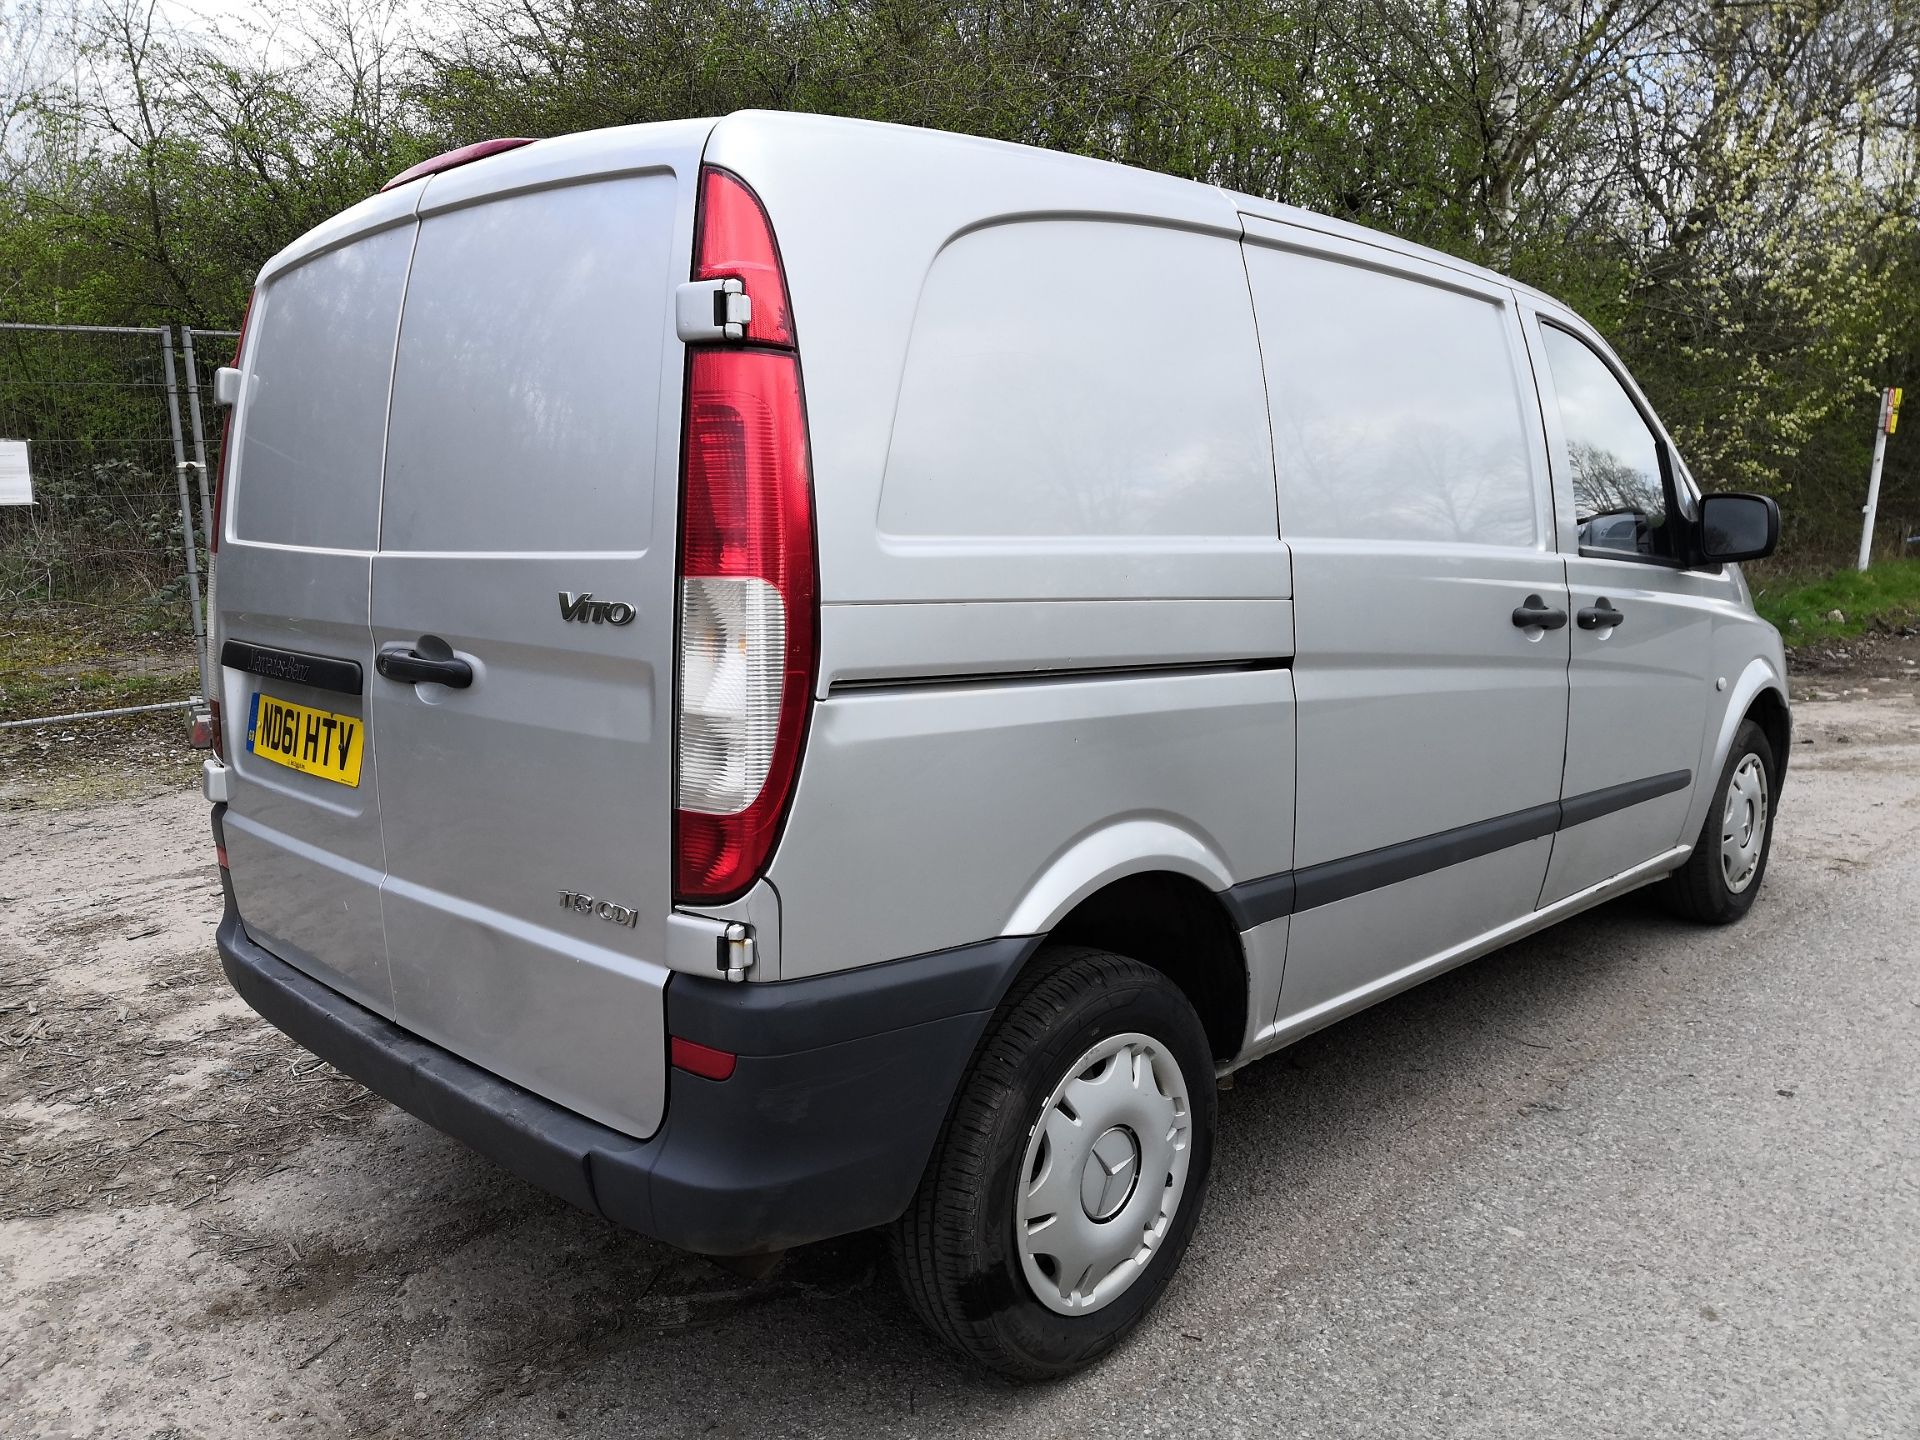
point(1599, 616)
point(406, 665)
point(1536, 611)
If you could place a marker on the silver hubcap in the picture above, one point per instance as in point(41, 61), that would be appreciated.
point(1105, 1167)
point(1743, 825)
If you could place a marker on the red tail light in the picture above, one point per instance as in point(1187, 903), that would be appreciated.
point(736, 242)
point(226, 450)
point(748, 588)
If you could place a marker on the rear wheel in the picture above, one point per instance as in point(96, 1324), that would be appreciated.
point(1720, 879)
point(1066, 1185)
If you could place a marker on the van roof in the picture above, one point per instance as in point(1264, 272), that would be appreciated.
point(1326, 224)
point(1253, 205)
point(589, 151)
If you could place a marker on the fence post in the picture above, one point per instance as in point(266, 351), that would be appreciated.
point(186, 507)
point(199, 442)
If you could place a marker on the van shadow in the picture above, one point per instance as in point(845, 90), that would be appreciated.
point(1312, 1142)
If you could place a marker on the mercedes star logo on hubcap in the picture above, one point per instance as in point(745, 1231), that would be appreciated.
point(1112, 1167)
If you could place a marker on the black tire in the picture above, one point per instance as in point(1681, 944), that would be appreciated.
point(955, 1248)
point(1698, 889)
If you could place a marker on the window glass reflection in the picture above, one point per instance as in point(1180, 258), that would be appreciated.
point(1396, 415)
point(1619, 499)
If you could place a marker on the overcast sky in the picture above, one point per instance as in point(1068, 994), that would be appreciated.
point(232, 15)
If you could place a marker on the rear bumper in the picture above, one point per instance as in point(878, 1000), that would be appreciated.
point(825, 1126)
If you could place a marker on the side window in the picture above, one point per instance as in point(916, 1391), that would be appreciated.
point(1396, 406)
point(1621, 501)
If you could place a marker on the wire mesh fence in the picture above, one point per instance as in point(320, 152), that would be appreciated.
point(101, 575)
point(104, 527)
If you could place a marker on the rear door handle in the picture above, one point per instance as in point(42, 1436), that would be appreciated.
point(408, 666)
point(1601, 616)
point(1537, 612)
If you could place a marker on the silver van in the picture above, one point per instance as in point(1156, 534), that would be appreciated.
point(782, 675)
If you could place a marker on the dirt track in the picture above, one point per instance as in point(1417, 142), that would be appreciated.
point(203, 1231)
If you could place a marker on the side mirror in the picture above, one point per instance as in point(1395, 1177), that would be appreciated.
point(226, 386)
point(1738, 527)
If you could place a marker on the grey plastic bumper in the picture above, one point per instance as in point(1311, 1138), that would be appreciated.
point(824, 1127)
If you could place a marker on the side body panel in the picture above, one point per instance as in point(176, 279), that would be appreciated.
point(863, 214)
point(1056, 611)
point(928, 816)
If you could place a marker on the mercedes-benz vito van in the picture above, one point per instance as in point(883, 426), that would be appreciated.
point(782, 675)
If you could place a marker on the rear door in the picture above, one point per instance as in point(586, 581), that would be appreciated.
point(301, 519)
point(527, 532)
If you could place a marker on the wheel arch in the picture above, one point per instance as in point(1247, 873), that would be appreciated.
point(1769, 710)
point(1150, 890)
point(1179, 927)
point(1759, 694)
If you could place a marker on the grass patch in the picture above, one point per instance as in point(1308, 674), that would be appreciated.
point(1888, 594)
point(53, 662)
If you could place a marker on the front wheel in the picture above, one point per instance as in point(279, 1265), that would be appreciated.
point(1720, 879)
point(1066, 1185)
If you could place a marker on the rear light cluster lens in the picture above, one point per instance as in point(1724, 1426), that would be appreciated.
point(733, 637)
point(736, 242)
point(226, 442)
point(216, 740)
point(746, 615)
point(748, 589)
point(746, 559)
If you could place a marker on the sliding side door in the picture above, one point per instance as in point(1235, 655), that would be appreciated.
point(1430, 609)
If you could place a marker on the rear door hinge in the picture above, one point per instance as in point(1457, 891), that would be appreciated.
point(733, 951)
point(709, 310)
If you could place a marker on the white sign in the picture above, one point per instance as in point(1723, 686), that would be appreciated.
point(16, 480)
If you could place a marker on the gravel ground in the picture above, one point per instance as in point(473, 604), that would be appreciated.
point(1627, 1178)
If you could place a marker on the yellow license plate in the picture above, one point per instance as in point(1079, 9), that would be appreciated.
point(314, 742)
